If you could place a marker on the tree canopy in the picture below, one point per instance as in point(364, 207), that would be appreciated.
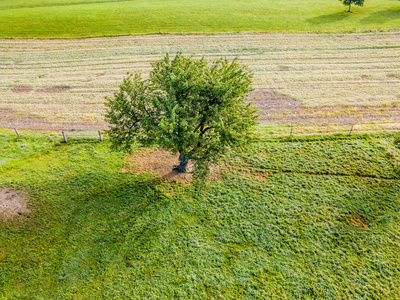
point(355, 2)
point(187, 106)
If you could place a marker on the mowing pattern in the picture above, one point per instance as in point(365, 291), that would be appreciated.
point(66, 81)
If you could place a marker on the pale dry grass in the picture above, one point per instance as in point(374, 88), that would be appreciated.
point(159, 163)
point(358, 69)
point(12, 204)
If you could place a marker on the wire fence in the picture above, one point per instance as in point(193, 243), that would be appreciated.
point(81, 135)
point(265, 131)
point(277, 131)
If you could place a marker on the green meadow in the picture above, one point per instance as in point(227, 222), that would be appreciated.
point(90, 18)
point(306, 218)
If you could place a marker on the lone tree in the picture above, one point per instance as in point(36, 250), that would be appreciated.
point(349, 2)
point(186, 106)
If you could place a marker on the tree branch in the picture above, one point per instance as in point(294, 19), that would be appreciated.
point(204, 130)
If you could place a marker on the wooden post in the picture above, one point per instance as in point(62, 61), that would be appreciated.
point(351, 129)
point(16, 131)
point(64, 136)
point(101, 139)
point(291, 131)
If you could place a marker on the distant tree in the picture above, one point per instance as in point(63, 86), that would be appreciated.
point(186, 106)
point(355, 2)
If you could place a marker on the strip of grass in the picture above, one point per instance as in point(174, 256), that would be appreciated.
point(72, 18)
point(98, 233)
point(359, 156)
point(12, 147)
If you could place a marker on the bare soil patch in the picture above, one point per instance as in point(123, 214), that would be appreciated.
point(21, 89)
point(275, 108)
point(10, 119)
point(330, 115)
point(268, 98)
point(393, 75)
point(157, 162)
point(356, 220)
point(54, 89)
point(282, 113)
point(12, 204)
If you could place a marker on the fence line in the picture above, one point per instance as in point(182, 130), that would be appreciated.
point(274, 130)
point(269, 130)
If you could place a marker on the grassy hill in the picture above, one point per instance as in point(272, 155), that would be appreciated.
point(88, 18)
point(310, 218)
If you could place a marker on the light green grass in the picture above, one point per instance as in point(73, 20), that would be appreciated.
point(312, 229)
point(12, 147)
point(361, 157)
point(68, 19)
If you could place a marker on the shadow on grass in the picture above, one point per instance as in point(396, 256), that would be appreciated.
point(117, 211)
point(331, 18)
point(104, 232)
point(85, 225)
point(381, 17)
point(109, 195)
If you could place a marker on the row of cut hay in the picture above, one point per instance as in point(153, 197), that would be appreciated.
point(316, 69)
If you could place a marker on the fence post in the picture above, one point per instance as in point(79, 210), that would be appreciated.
point(64, 136)
point(291, 131)
point(101, 139)
point(351, 129)
point(16, 131)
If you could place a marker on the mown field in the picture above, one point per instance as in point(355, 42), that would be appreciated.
point(77, 18)
point(299, 78)
point(308, 218)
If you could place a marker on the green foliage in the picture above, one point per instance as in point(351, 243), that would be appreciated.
point(350, 2)
point(98, 233)
point(187, 106)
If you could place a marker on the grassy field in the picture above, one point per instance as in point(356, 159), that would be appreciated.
point(76, 18)
point(329, 78)
point(311, 218)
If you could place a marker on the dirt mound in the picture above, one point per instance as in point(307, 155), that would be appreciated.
point(268, 98)
point(21, 89)
point(159, 163)
point(54, 89)
point(12, 204)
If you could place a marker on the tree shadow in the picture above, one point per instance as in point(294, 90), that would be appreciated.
point(112, 193)
point(381, 17)
point(331, 18)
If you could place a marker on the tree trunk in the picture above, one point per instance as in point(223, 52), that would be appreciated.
point(183, 162)
point(183, 165)
point(349, 7)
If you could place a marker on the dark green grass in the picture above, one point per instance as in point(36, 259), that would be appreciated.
point(98, 233)
point(76, 18)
